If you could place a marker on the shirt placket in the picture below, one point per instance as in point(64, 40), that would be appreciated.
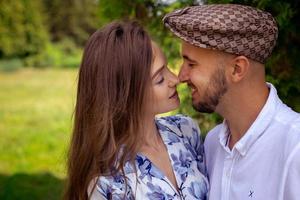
point(227, 174)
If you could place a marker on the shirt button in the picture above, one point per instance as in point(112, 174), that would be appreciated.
point(227, 174)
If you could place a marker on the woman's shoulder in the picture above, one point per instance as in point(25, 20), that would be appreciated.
point(175, 120)
point(111, 186)
point(181, 128)
point(114, 184)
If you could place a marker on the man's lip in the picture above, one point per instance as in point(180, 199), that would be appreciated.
point(193, 88)
point(173, 95)
point(190, 85)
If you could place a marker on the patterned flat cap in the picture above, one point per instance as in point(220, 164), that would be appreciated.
point(232, 28)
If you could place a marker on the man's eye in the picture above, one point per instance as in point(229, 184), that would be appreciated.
point(191, 64)
point(161, 80)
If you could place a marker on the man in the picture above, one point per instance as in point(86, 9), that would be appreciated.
point(255, 152)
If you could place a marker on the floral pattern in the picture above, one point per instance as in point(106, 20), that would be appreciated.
point(182, 139)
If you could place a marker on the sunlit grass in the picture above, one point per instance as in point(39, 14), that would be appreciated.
point(35, 120)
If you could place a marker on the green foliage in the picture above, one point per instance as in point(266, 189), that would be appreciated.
point(10, 65)
point(22, 31)
point(73, 19)
point(63, 54)
point(110, 10)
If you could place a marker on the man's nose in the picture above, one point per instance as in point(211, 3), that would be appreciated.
point(183, 74)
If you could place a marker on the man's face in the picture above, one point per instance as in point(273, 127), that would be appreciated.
point(203, 71)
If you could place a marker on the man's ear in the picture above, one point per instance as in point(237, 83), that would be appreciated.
point(239, 68)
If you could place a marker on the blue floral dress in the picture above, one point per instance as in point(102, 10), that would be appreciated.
point(184, 145)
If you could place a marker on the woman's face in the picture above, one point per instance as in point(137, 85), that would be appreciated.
point(163, 97)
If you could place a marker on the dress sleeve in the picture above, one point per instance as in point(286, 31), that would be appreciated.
point(193, 134)
point(108, 188)
point(199, 147)
point(100, 190)
point(96, 195)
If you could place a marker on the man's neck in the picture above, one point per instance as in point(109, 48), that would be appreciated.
point(242, 111)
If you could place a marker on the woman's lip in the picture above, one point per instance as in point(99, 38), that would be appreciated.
point(173, 95)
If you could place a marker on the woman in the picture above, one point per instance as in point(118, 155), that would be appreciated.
point(119, 150)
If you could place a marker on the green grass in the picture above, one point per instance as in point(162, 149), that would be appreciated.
point(35, 124)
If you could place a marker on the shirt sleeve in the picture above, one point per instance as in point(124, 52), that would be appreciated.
point(292, 182)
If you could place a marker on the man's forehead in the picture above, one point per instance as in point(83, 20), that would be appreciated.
point(192, 50)
point(188, 48)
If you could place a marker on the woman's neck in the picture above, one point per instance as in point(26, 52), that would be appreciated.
point(151, 135)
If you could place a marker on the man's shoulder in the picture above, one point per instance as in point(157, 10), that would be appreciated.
point(289, 120)
point(286, 125)
point(287, 115)
point(212, 136)
point(213, 133)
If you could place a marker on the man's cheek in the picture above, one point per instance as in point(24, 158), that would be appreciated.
point(199, 80)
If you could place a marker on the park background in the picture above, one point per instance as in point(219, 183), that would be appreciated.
point(41, 43)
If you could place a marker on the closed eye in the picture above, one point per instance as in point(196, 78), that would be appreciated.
point(191, 64)
point(161, 80)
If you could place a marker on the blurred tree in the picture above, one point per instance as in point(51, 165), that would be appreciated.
point(22, 30)
point(75, 19)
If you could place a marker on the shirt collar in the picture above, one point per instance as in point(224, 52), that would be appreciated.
point(257, 128)
point(224, 136)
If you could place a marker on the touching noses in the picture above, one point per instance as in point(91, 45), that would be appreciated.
point(183, 74)
point(173, 81)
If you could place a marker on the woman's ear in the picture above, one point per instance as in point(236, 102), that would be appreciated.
point(239, 68)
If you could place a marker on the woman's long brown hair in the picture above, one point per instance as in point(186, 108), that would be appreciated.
point(113, 81)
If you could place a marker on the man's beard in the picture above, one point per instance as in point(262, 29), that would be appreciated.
point(216, 88)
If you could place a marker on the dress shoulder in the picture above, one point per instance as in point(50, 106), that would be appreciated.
point(182, 123)
point(110, 187)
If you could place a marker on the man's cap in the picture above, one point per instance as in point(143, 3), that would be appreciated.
point(232, 28)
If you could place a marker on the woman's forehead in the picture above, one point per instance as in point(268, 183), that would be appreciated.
point(157, 52)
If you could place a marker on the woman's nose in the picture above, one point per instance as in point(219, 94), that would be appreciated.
point(174, 80)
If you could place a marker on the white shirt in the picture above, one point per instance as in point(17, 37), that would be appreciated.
point(264, 164)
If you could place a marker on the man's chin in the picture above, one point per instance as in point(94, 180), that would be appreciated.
point(203, 108)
